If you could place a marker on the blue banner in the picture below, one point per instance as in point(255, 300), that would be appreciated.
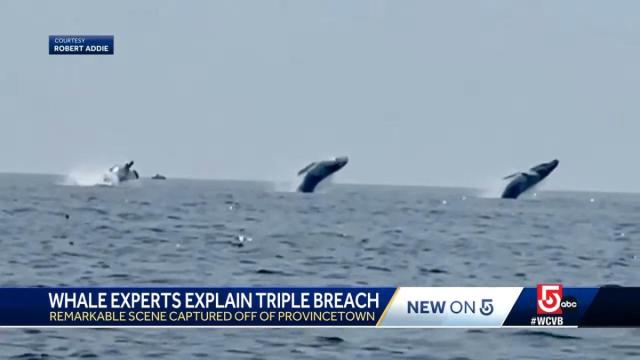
point(81, 45)
point(547, 305)
point(192, 306)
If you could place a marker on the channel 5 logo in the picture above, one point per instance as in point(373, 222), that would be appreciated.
point(551, 300)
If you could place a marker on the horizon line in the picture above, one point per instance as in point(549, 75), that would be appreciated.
point(341, 183)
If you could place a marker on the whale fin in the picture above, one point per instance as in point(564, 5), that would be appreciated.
point(512, 175)
point(521, 173)
point(306, 168)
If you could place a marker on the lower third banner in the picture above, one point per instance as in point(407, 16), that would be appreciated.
point(547, 305)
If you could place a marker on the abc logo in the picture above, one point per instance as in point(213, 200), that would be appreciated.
point(569, 304)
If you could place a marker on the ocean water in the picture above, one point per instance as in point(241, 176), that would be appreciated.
point(219, 233)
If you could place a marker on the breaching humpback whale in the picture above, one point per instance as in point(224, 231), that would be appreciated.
point(318, 171)
point(523, 181)
point(124, 173)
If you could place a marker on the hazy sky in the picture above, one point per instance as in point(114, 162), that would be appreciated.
point(453, 93)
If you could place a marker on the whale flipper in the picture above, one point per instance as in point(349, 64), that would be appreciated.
point(529, 174)
point(306, 168)
point(512, 175)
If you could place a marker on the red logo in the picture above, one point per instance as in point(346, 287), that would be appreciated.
point(549, 299)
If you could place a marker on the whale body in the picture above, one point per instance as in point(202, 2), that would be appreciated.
point(523, 181)
point(124, 173)
point(315, 172)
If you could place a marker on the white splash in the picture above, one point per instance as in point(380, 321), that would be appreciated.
point(493, 189)
point(292, 184)
point(90, 177)
point(286, 186)
point(325, 184)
